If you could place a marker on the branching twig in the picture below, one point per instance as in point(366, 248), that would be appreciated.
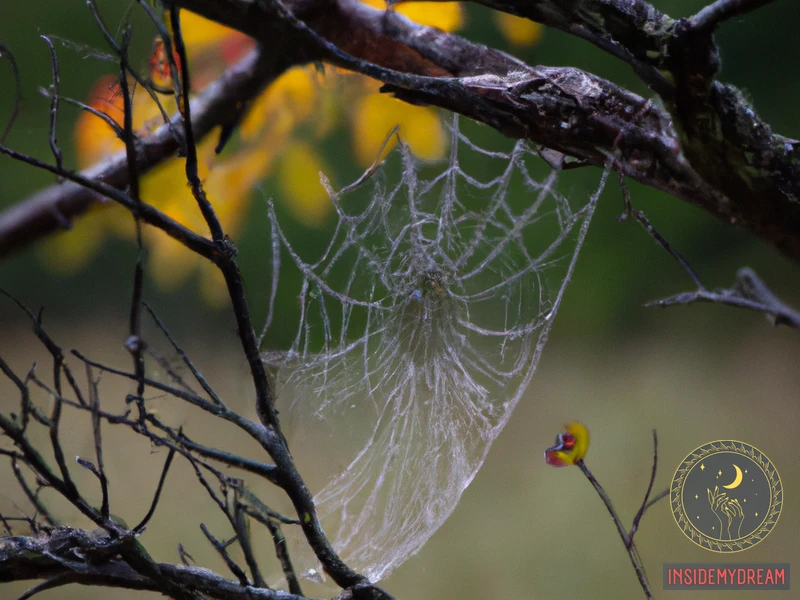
point(623, 534)
point(222, 550)
point(54, 208)
point(748, 291)
point(710, 17)
point(197, 374)
point(646, 503)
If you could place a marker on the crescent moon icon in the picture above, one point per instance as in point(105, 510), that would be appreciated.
point(736, 481)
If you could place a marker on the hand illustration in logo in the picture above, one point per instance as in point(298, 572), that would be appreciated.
point(716, 500)
point(733, 510)
point(729, 513)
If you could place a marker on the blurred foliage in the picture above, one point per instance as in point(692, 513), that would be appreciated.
point(619, 270)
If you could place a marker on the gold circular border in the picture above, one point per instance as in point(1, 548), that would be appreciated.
point(729, 446)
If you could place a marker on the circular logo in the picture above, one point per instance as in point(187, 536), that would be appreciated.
point(726, 496)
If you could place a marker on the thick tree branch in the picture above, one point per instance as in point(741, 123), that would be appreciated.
point(710, 148)
point(719, 155)
point(91, 558)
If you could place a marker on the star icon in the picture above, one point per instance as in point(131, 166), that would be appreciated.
point(702, 467)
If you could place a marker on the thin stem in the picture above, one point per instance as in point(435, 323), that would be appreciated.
point(57, 154)
point(643, 507)
point(8, 55)
point(192, 173)
point(623, 534)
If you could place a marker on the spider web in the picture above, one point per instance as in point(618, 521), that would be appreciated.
point(420, 327)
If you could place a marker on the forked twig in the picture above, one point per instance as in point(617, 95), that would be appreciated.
point(748, 291)
point(625, 536)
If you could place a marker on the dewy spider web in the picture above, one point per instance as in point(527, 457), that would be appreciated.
point(421, 325)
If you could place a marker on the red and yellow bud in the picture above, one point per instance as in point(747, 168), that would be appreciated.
point(570, 447)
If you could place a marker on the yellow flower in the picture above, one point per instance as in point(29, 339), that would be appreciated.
point(570, 447)
point(375, 116)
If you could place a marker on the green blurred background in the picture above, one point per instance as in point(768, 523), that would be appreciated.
point(522, 530)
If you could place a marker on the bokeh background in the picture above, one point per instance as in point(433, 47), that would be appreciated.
point(522, 529)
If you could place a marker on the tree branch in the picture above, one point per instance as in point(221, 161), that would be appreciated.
point(709, 147)
point(56, 207)
point(90, 558)
point(719, 156)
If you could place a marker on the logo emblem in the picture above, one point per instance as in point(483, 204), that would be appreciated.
point(726, 496)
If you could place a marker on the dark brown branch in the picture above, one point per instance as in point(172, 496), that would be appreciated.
point(54, 208)
point(560, 108)
point(719, 11)
point(185, 107)
point(748, 291)
point(52, 554)
point(737, 168)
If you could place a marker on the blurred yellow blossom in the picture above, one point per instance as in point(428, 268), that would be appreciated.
point(447, 16)
point(519, 31)
point(299, 178)
point(376, 114)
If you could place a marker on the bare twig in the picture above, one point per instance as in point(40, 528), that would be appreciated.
point(192, 172)
point(264, 515)
point(9, 56)
point(748, 291)
point(47, 584)
point(151, 511)
point(646, 502)
point(197, 374)
point(54, 98)
point(710, 17)
point(222, 550)
point(238, 519)
point(41, 509)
